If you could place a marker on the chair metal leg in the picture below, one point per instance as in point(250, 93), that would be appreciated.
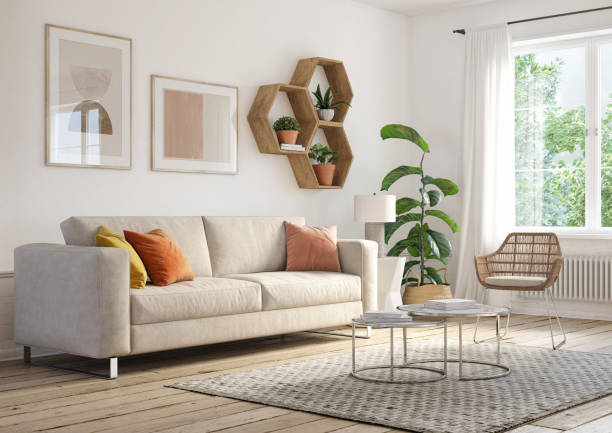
point(549, 300)
point(113, 367)
point(503, 334)
point(482, 298)
point(368, 334)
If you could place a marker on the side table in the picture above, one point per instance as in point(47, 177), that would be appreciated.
point(392, 367)
point(459, 316)
point(390, 274)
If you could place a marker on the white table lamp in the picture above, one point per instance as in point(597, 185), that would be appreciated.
point(375, 210)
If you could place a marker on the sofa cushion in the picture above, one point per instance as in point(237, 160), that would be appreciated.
point(187, 232)
point(241, 245)
point(302, 289)
point(202, 297)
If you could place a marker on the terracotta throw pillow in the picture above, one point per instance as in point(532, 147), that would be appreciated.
point(164, 260)
point(311, 248)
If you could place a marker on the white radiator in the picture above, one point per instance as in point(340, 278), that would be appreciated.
point(583, 278)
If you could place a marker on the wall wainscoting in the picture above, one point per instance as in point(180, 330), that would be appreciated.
point(8, 349)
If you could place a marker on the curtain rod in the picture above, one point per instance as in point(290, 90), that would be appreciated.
point(462, 31)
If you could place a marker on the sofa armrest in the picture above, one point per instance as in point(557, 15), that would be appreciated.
point(359, 257)
point(73, 299)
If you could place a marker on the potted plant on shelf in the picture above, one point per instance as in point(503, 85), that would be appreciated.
point(287, 129)
point(325, 104)
point(324, 169)
point(422, 243)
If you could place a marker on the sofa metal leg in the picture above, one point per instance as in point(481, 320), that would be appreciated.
point(113, 367)
point(368, 334)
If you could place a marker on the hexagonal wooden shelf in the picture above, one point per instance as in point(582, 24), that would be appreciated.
point(336, 77)
point(303, 109)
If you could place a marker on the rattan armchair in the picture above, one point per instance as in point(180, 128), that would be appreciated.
point(524, 262)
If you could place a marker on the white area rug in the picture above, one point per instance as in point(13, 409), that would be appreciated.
point(541, 382)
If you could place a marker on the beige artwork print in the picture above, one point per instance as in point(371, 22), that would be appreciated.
point(196, 126)
point(90, 90)
point(183, 125)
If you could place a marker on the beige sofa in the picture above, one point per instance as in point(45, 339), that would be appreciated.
point(75, 298)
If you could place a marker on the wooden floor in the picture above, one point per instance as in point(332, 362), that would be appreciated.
point(39, 399)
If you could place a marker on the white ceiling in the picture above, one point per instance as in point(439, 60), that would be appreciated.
point(418, 7)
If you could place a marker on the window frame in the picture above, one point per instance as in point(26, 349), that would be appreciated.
point(593, 84)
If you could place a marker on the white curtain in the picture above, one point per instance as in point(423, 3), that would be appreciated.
point(488, 151)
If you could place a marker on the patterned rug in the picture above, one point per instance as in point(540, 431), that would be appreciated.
point(541, 382)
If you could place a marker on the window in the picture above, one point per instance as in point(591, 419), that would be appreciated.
point(563, 135)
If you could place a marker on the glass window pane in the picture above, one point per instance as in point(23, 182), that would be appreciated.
point(605, 113)
point(549, 138)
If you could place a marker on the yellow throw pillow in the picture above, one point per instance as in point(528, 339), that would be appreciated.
point(138, 273)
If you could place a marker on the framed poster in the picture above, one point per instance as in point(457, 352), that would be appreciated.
point(194, 126)
point(88, 99)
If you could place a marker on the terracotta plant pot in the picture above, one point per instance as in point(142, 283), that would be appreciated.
point(324, 173)
point(414, 294)
point(287, 136)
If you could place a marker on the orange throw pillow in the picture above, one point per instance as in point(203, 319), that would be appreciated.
point(164, 260)
point(311, 248)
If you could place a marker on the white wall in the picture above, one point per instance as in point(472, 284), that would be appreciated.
point(240, 42)
point(436, 89)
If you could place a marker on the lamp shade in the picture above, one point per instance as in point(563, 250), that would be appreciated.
point(375, 208)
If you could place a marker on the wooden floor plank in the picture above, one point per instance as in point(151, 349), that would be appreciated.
point(293, 418)
point(318, 426)
point(161, 418)
point(224, 422)
point(533, 429)
point(592, 342)
point(115, 405)
point(105, 411)
point(362, 428)
point(71, 400)
point(170, 418)
point(576, 416)
point(39, 399)
point(601, 425)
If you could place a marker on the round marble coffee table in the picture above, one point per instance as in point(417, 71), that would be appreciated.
point(419, 310)
point(392, 366)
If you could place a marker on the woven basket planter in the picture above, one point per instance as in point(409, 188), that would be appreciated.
point(414, 294)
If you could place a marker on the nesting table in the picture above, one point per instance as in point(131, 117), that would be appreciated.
point(392, 366)
point(433, 318)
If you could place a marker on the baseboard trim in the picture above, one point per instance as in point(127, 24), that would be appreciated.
point(11, 354)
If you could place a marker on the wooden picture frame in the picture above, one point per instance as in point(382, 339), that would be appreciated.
point(88, 99)
point(194, 126)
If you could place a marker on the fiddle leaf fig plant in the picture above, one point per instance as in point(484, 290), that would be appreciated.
point(422, 243)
